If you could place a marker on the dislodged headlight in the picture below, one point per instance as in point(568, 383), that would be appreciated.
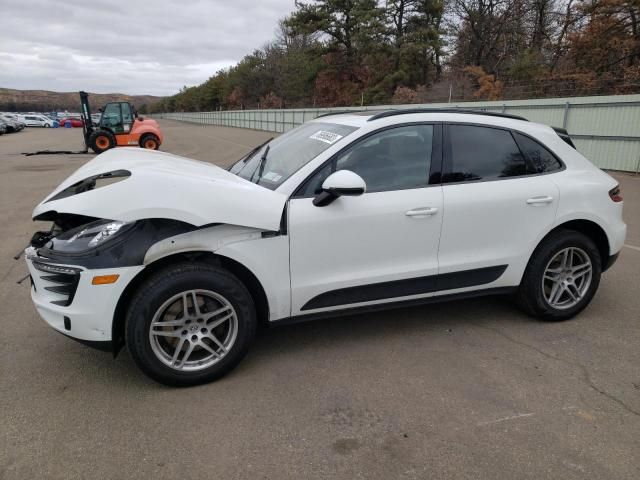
point(98, 233)
point(87, 236)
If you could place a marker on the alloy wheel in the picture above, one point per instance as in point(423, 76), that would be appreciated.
point(193, 330)
point(567, 278)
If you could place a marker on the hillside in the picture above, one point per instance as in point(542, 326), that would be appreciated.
point(44, 101)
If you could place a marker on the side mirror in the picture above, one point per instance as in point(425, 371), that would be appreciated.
point(338, 184)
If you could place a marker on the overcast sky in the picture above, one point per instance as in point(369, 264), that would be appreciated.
point(133, 46)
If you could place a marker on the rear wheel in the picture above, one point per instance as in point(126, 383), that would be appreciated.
point(150, 142)
point(562, 276)
point(190, 324)
point(101, 141)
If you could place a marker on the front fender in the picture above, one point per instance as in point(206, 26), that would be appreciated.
point(267, 258)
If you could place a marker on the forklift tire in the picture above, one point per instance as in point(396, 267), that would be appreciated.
point(149, 141)
point(101, 141)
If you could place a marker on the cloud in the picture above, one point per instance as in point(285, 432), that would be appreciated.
point(136, 47)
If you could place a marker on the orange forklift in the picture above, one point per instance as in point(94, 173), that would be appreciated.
point(119, 126)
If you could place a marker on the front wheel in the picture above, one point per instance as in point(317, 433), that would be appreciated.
point(190, 324)
point(562, 276)
point(101, 141)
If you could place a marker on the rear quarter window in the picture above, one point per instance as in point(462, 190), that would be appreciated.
point(539, 158)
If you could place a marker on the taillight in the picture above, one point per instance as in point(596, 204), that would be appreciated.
point(616, 194)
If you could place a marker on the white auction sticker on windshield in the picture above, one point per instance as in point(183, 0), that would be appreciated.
point(272, 176)
point(326, 137)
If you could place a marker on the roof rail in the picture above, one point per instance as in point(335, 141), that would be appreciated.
point(339, 112)
point(391, 113)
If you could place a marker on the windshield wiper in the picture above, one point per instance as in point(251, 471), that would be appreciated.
point(250, 155)
point(263, 160)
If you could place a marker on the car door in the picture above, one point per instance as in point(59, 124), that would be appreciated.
point(376, 247)
point(496, 208)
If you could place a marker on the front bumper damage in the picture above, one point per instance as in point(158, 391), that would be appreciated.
point(69, 302)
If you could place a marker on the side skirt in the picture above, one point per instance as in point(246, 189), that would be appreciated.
point(392, 305)
point(405, 287)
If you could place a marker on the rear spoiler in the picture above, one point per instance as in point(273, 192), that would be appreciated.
point(564, 135)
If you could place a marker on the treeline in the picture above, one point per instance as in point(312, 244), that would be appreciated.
point(352, 52)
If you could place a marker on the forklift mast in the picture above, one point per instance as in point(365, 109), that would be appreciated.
point(87, 123)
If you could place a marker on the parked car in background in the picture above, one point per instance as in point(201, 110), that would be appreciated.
point(71, 122)
point(37, 120)
point(13, 125)
point(14, 118)
point(3, 128)
point(181, 259)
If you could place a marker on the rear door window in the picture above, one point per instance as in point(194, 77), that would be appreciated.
point(482, 153)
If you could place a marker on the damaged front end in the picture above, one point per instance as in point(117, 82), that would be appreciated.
point(80, 269)
point(102, 243)
point(109, 213)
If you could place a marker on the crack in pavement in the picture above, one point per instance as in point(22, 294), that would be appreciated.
point(585, 373)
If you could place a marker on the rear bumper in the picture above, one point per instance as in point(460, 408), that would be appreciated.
point(617, 235)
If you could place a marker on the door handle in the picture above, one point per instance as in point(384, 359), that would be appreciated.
point(542, 200)
point(421, 212)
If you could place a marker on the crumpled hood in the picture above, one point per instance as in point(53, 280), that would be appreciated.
point(162, 185)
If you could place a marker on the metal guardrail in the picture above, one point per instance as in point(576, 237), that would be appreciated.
point(605, 129)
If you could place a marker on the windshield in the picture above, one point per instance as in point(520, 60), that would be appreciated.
point(278, 159)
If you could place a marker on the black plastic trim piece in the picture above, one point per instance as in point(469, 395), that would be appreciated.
point(392, 305)
point(339, 112)
point(66, 277)
point(66, 289)
point(407, 111)
point(98, 345)
point(59, 278)
point(610, 261)
point(405, 287)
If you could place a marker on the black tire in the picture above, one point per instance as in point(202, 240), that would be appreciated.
point(149, 141)
point(165, 284)
point(101, 141)
point(530, 296)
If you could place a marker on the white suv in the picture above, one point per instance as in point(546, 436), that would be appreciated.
point(181, 259)
point(35, 120)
